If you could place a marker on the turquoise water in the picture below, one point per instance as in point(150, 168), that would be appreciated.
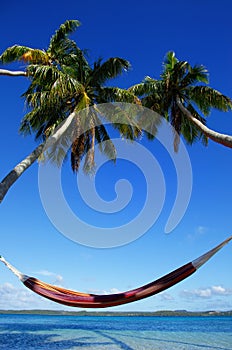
point(26, 332)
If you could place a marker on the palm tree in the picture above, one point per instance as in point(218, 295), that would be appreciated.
point(62, 83)
point(179, 96)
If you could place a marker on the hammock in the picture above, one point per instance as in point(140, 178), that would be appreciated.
point(78, 299)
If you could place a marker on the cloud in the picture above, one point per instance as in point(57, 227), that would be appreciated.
point(219, 290)
point(12, 297)
point(201, 229)
point(104, 292)
point(57, 279)
point(206, 293)
point(45, 273)
point(114, 291)
point(166, 296)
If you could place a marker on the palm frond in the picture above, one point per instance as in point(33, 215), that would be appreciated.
point(42, 74)
point(115, 94)
point(36, 98)
point(66, 87)
point(206, 98)
point(66, 28)
point(154, 102)
point(36, 56)
point(83, 102)
point(32, 123)
point(195, 114)
point(76, 65)
point(111, 68)
point(148, 86)
point(89, 164)
point(149, 122)
point(14, 53)
point(170, 61)
point(41, 121)
point(189, 130)
point(81, 143)
point(124, 118)
point(105, 145)
point(195, 74)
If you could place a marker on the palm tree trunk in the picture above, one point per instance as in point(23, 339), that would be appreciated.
point(14, 174)
point(223, 139)
point(13, 73)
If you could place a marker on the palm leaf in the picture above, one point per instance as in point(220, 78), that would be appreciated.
point(66, 86)
point(14, 53)
point(124, 118)
point(195, 74)
point(148, 86)
point(189, 130)
point(206, 98)
point(83, 102)
point(36, 56)
point(115, 94)
point(109, 69)
point(66, 28)
point(105, 145)
point(76, 65)
point(89, 164)
point(36, 98)
point(170, 61)
point(43, 74)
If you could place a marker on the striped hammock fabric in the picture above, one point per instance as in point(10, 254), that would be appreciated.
point(84, 300)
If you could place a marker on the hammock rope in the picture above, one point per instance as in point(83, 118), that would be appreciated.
point(78, 299)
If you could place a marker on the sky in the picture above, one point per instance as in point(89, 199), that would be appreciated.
point(197, 31)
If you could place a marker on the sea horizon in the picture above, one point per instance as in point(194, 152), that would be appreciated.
point(53, 332)
point(85, 312)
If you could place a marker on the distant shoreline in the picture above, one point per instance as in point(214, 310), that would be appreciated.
point(117, 313)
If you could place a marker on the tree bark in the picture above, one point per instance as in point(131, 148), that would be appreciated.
point(10, 179)
point(223, 139)
point(14, 174)
point(13, 73)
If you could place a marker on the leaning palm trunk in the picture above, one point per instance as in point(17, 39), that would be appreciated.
point(19, 169)
point(14, 174)
point(223, 139)
point(13, 73)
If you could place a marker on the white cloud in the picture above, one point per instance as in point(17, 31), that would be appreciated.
point(104, 292)
point(166, 296)
point(206, 293)
point(114, 291)
point(12, 297)
point(57, 279)
point(201, 229)
point(198, 231)
point(219, 290)
point(45, 273)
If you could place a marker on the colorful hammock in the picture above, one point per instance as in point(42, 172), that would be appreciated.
point(77, 299)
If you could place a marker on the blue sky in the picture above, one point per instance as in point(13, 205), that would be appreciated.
point(143, 33)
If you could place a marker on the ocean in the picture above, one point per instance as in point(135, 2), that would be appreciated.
point(27, 332)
